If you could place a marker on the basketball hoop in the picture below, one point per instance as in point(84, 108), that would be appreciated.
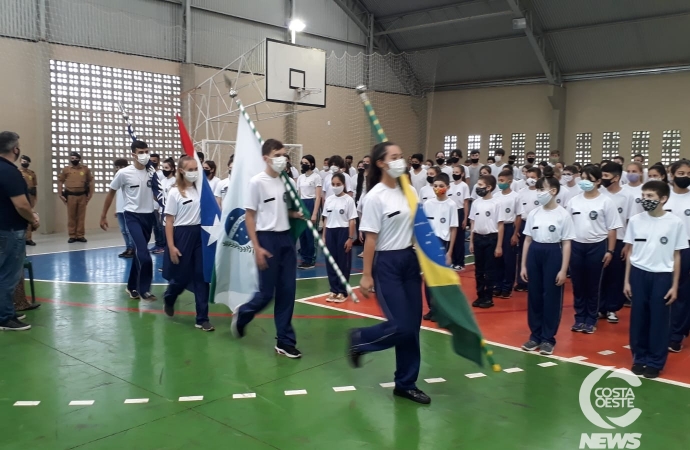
point(304, 91)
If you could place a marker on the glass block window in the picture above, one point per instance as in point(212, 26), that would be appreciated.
point(449, 143)
point(86, 118)
point(640, 144)
point(542, 146)
point(474, 141)
point(610, 144)
point(495, 141)
point(517, 146)
point(583, 148)
point(670, 147)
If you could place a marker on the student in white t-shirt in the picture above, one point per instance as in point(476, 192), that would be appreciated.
point(268, 226)
point(569, 180)
point(158, 230)
point(484, 171)
point(640, 159)
point(349, 166)
point(596, 220)
point(417, 173)
point(545, 259)
point(635, 176)
point(119, 214)
point(527, 201)
point(337, 164)
point(309, 189)
point(441, 163)
point(339, 213)
point(505, 266)
point(135, 182)
point(652, 274)
point(222, 187)
point(210, 170)
point(459, 192)
point(499, 162)
point(184, 259)
point(426, 193)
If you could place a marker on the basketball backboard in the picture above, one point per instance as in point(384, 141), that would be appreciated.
point(295, 74)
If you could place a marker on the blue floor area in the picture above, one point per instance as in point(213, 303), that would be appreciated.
point(104, 266)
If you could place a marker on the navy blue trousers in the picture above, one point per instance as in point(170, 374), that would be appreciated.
point(158, 230)
point(140, 226)
point(307, 250)
point(427, 293)
point(586, 272)
point(680, 309)
point(650, 326)
point(398, 286)
point(485, 264)
point(612, 296)
point(507, 264)
point(278, 280)
point(335, 242)
point(544, 298)
point(189, 273)
point(459, 245)
point(520, 283)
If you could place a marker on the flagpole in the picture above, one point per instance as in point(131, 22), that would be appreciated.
point(298, 204)
point(381, 136)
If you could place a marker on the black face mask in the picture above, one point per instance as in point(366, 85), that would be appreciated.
point(606, 182)
point(482, 192)
point(440, 161)
point(306, 168)
point(25, 165)
point(207, 172)
point(474, 160)
point(457, 177)
point(681, 182)
point(454, 160)
point(366, 166)
point(429, 180)
point(416, 166)
point(531, 160)
point(360, 170)
point(75, 162)
point(167, 173)
point(154, 164)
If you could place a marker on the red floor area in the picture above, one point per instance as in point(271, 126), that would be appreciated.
point(506, 323)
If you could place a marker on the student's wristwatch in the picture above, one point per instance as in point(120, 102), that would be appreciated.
point(609, 251)
point(351, 237)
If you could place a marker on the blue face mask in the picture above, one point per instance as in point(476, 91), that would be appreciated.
point(585, 185)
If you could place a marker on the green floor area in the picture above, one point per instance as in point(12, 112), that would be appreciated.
point(91, 348)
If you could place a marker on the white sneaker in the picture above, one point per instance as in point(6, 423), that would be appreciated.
point(611, 317)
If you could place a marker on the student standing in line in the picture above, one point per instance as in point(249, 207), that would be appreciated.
point(210, 171)
point(497, 166)
point(484, 171)
point(339, 213)
point(135, 183)
point(455, 158)
point(349, 167)
point(158, 228)
point(545, 258)
point(222, 187)
point(119, 214)
point(657, 173)
point(336, 165)
point(506, 265)
point(678, 204)
point(596, 220)
point(652, 274)
point(569, 180)
point(268, 226)
point(441, 163)
point(309, 188)
point(417, 174)
point(428, 163)
point(426, 193)
point(635, 176)
point(612, 295)
point(441, 211)
point(390, 264)
point(460, 193)
point(640, 159)
point(527, 201)
point(184, 261)
point(486, 236)
point(326, 168)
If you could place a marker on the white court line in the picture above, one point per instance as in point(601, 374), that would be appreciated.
point(93, 282)
point(626, 346)
point(132, 401)
point(495, 344)
point(296, 392)
point(606, 352)
point(76, 250)
point(387, 385)
point(344, 388)
point(248, 395)
point(547, 364)
point(435, 380)
point(577, 358)
point(82, 402)
point(513, 370)
point(475, 375)
point(193, 398)
point(27, 403)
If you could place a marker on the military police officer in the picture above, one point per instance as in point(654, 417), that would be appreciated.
point(75, 186)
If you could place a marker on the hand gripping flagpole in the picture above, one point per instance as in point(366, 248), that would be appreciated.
point(381, 136)
point(298, 204)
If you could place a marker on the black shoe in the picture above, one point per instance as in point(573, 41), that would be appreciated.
point(476, 303)
point(305, 266)
point(30, 242)
point(415, 395)
point(487, 303)
point(133, 294)
point(206, 326)
point(506, 294)
point(627, 303)
point(638, 369)
point(427, 316)
point(14, 325)
point(129, 253)
point(169, 310)
point(354, 356)
point(651, 372)
point(288, 350)
point(496, 293)
point(520, 289)
point(675, 347)
point(81, 239)
point(71, 241)
point(237, 330)
point(149, 297)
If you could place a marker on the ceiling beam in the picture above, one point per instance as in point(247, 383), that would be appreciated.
point(463, 43)
point(425, 10)
point(537, 42)
point(445, 22)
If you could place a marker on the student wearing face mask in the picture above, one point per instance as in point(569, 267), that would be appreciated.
point(325, 168)
point(455, 158)
point(184, 262)
point(441, 164)
point(76, 186)
point(527, 201)
point(569, 181)
point(678, 204)
point(505, 266)
point(427, 191)
point(545, 259)
point(32, 184)
point(223, 185)
point(417, 173)
point(339, 213)
point(387, 222)
point(596, 220)
point(210, 174)
point(309, 189)
point(635, 176)
point(349, 168)
point(120, 216)
point(268, 226)
point(657, 173)
point(428, 163)
point(530, 159)
point(484, 171)
point(640, 159)
point(337, 165)
point(499, 162)
point(158, 229)
point(459, 192)
point(135, 182)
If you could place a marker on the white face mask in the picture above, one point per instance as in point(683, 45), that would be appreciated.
point(497, 158)
point(424, 166)
point(335, 169)
point(531, 182)
point(191, 176)
point(325, 168)
point(567, 178)
point(278, 163)
point(544, 197)
point(143, 158)
point(337, 190)
point(397, 168)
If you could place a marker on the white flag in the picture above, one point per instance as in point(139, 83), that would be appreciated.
point(236, 274)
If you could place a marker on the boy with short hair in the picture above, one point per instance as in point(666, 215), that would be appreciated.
point(499, 162)
point(441, 211)
point(473, 169)
point(654, 240)
point(508, 201)
point(486, 237)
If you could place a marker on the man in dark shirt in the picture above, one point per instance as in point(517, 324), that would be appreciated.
point(15, 214)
